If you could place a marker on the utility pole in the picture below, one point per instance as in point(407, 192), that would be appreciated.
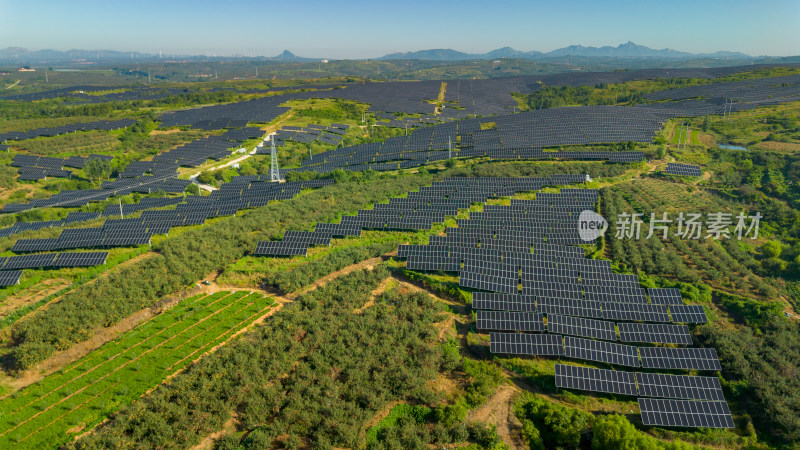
point(46, 80)
point(687, 136)
point(274, 172)
point(148, 77)
point(120, 209)
point(449, 148)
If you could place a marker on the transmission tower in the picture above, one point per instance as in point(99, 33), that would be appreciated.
point(449, 148)
point(274, 172)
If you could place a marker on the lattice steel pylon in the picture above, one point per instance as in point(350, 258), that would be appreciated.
point(274, 172)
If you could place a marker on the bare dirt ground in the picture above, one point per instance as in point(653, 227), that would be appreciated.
point(208, 442)
point(32, 295)
point(157, 132)
point(498, 411)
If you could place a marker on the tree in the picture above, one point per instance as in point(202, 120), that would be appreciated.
point(206, 177)
point(193, 189)
point(97, 169)
point(706, 124)
point(771, 249)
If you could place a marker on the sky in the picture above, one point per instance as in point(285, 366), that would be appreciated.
point(369, 29)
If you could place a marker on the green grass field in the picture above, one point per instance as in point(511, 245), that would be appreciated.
point(51, 412)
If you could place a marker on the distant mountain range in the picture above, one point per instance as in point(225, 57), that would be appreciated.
point(22, 56)
point(626, 50)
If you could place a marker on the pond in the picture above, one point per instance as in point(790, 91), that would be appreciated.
point(732, 147)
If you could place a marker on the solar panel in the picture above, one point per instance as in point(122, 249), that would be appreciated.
point(665, 296)
point(578, 326)
point(635, 312)
point(655, 333)
point(9, 277)
point(595, 380)
point(526, 344)
point(685, 413)
point(510, 321)
point(80, 259)
point(680, 358)
point(679, 386)
point(601, 351)
point(279, 248)
point(29, 261)
point(687, 170)
point(502, 302)
point(688, 313)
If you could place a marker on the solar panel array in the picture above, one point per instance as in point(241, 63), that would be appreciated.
point(521, 277)
point(691, 401)
point(734, 96)
point(147, 177)
point(32, 167)
point(64, 129)
point(420, 210)
point(514, 136)
point(240, 193)
point(595, 380)
point(685, 413)
point(312, 133)
point(687, 170)
point(53, 260)
point(9, 277)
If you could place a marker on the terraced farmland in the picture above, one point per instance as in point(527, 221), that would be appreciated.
point(88, 391)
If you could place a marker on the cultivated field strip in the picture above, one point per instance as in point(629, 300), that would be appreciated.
point(69, 402)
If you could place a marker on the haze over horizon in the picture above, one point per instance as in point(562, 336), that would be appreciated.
point(362, 30)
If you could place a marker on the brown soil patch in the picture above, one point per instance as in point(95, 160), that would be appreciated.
point(446, 385)
point(380, 415)
point(24, 298)
point(780, 146)
point(498, 411)
point(208, 442)
point(706, 139)
point(157, 132)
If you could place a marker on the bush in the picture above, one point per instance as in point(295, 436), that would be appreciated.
point(559, 426)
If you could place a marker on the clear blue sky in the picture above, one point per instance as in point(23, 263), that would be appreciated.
point(366, 29)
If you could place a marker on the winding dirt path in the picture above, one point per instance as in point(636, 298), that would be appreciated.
point(499, 411)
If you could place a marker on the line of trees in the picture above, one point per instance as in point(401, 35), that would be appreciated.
point(317, 372)
point(184, 259)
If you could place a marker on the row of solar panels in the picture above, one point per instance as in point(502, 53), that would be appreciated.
point(687, 170)
point(63, 129)
point(578, 326)
point(138, 231)
point(609, 310)
point(694, 401)
point(413, 212)
point(683, 358)
point(11, 266)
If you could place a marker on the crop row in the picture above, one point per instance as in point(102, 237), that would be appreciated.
point(46, 414)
